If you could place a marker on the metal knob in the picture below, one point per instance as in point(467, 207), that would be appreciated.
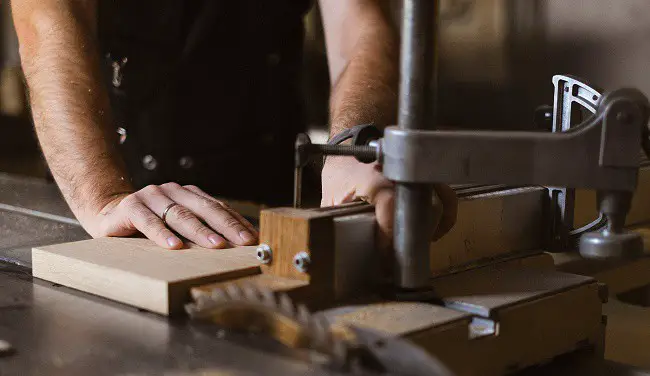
point(613, 242)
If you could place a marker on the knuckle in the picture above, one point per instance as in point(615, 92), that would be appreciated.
point(232, 222)
point(182, 214)
point(151, 222)
point(212, 205)
point(150, 189)
point(191, 187)
point(197, 228)
point(170, 185)
point(129, 201)
point(161, 232)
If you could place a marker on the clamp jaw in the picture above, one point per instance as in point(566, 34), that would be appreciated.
point(601, 153)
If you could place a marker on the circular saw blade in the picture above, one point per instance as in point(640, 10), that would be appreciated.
point(353, 350)
point(249, 308)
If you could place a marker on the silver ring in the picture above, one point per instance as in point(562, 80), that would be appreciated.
point(164, 214)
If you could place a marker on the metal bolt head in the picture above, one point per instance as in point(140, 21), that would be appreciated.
point(264, 254)
point(301, 261)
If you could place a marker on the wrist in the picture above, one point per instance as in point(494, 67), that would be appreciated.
point(92, 214)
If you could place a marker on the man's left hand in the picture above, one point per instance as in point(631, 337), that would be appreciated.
point(346, 180)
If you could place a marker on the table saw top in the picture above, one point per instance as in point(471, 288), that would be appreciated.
point(56, 330)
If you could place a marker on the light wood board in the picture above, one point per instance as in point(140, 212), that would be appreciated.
point(139, 273)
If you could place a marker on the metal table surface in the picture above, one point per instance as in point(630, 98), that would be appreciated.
point(59, 331)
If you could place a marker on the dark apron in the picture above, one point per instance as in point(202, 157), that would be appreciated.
point(207, 92)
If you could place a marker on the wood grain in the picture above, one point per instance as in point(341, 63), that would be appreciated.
point(491, 225)
point(289, 231)
point(440, 331)
point(139, 273)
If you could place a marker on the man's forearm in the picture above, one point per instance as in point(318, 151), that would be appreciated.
point(366, 89)
point(70, 106)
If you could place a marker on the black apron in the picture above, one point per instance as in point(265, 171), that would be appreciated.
point(207, 92)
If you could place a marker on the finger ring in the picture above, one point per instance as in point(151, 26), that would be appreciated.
point(164, 213)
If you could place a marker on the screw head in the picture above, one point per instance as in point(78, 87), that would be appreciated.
point(264, 254)
point(301, 261)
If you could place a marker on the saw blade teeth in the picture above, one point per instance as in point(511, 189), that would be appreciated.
point(316, 328)
point(234, 292)
point(251, 293)
point(340, 351)
point(192, 310)
point(320, 329)
point(268, 298)
point(303, 315)
point(286, 305)
point(218, 295)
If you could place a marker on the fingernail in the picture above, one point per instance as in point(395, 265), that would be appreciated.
point(174, 241)
point(246, 236)
point(215, 239)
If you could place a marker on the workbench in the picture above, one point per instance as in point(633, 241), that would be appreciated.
point(56, 330)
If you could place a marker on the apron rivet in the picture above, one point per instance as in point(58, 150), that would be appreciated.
point(186, 162)
point(149, 162)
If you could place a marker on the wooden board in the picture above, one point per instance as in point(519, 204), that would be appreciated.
point(289, 231)
point(538, 314)
point(628, 333)
point(440, 331)
point(586, 209)
point(265, 281)
point(491, 225)
point(139, 273)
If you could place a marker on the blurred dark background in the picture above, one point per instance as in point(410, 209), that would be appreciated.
point(497, 58)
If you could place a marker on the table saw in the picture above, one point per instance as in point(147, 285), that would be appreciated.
point(315, 297)
point(58, 330)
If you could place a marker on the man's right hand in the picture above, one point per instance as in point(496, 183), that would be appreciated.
point(196, 216)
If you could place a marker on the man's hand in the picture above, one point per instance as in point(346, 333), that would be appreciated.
point(196, 216)
point(347, 180)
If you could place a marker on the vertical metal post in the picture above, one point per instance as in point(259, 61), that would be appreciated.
point(414, 218)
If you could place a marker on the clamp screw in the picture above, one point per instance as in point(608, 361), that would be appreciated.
point(264, 254)
point(301, 261)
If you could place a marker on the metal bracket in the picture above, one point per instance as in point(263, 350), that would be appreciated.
point(569, 90)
